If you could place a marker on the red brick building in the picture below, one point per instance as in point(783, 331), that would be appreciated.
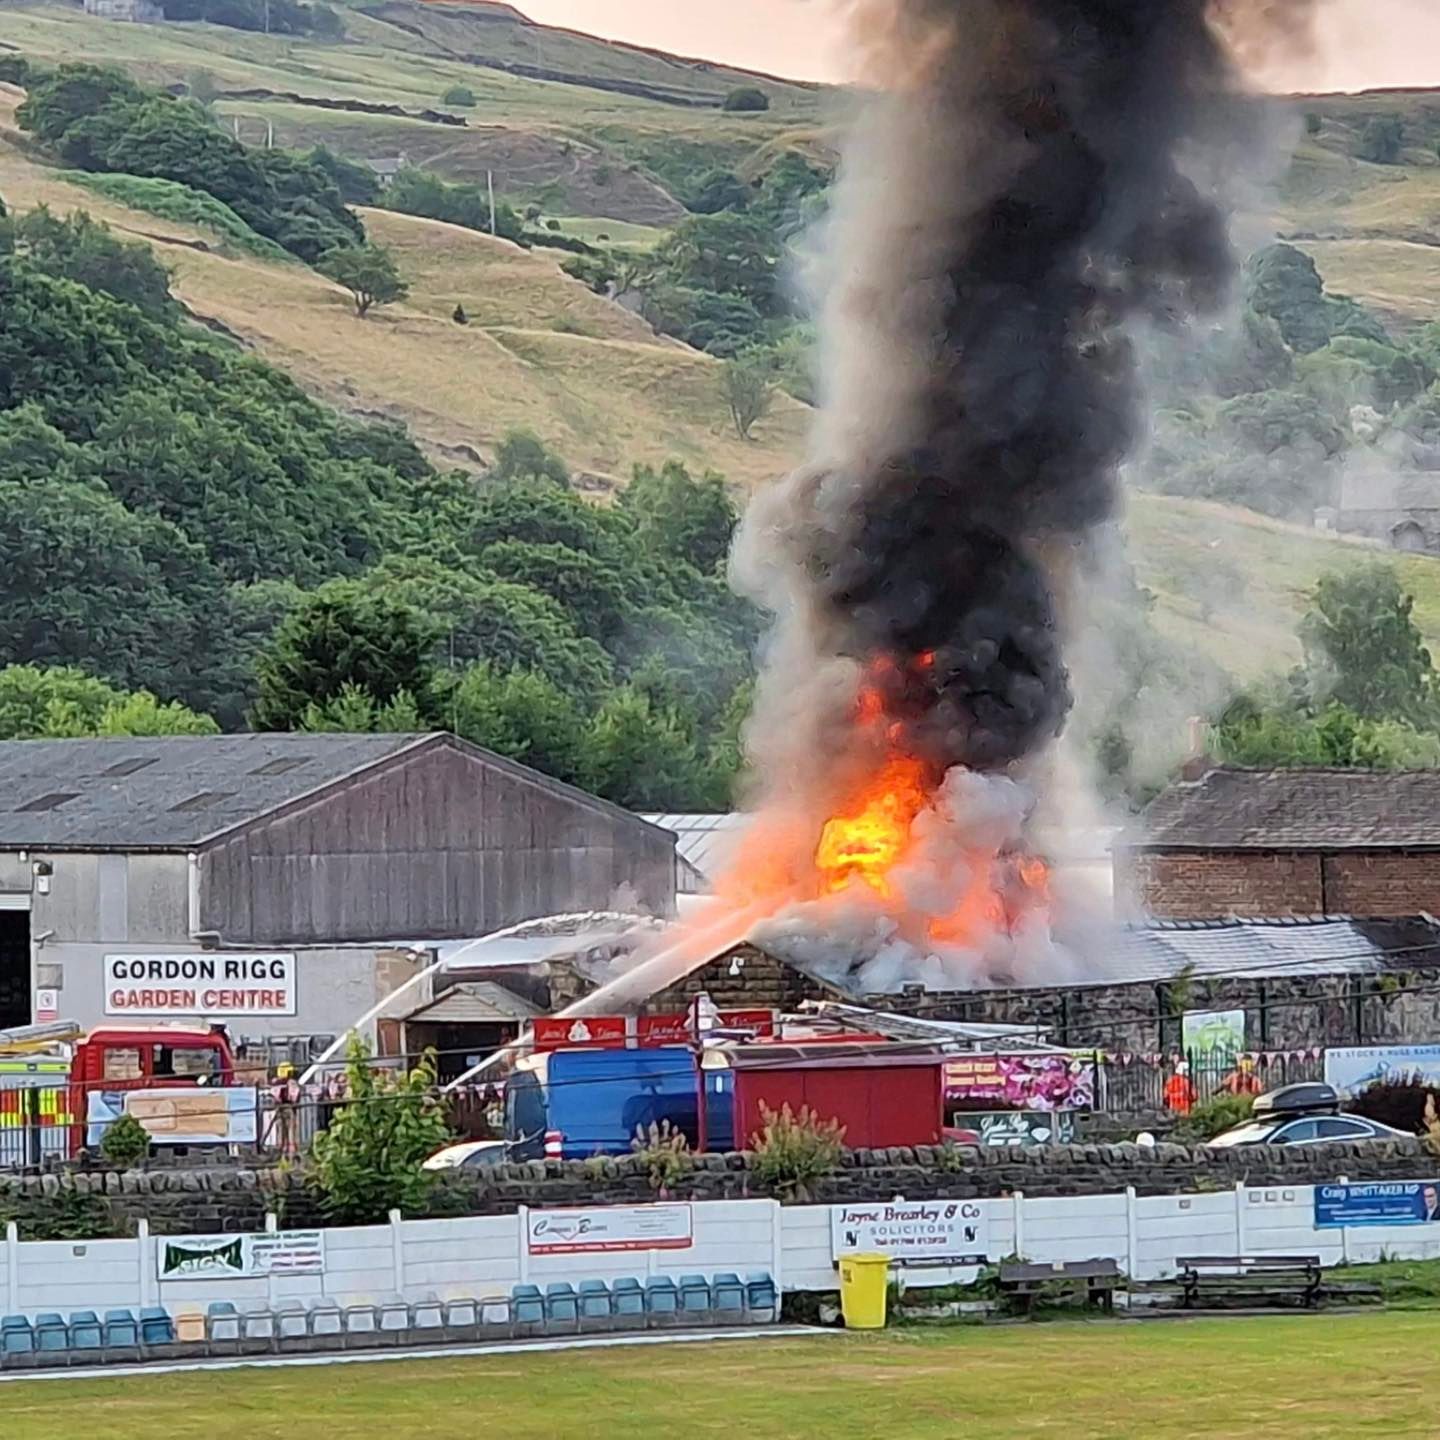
point(1286, 842)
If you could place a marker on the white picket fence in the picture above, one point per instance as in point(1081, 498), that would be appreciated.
point(485, 1257)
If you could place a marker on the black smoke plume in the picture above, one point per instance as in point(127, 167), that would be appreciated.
point(1014, 205)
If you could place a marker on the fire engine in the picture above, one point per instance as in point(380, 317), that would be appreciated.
point(48, 1073)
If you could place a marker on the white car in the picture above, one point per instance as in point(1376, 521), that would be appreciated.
point(473, 1155)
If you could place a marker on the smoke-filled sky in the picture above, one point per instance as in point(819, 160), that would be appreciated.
point(1365, 42)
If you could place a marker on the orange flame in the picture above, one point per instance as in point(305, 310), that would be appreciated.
point(867, 839)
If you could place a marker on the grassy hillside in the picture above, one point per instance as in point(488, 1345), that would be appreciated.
point(577, 145)
point(1232, 585)
point(541, 350)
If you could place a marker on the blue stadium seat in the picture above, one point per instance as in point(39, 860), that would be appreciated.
point(51, 1332)
point(527, 1305)
point(85, 1331)
point(627, 1301)
point(694, 1294)
point(121, 1331)
point(728, 1295)
point(760, 1297)
point(561, 1306)
point(16, 1336)
point(156, 1326)
point(595, 1307)
point(662, 1300)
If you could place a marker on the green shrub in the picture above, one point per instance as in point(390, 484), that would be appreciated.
point(126, 1142)
point(1212, 1117)
point(369, 1162)
point(461, 95)
point(747, 100)
point(792, 1152)
point(665, 1154)
point(171, 200)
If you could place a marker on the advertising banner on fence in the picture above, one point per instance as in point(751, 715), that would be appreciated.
point(952, 1232)
point(240, 1257)
point(1012, 1127)
point(211, 984)
point(1407, 1202)
point(1034, 1082)
point(181, 1115)
point(1213, 1037)
point(1351, 1068)
point(610, 1228)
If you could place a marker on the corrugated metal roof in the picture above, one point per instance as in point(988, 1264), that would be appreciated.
point(166, 792)
point(480, 1002)
point(701, 841)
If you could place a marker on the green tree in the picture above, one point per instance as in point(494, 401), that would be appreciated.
point(1285, 285)
point(343, 635)
point(64, 702)
point(357, 183)
point(522, 455)
point(728, 254)
point(90, 583)
point(1382, 140)
point(418, 192)
point(461, 95)
point(61, 98)
point(369, 1161)
point(596, 595)
point(1364, 650)
point(719, 190)
point(79, 249)
point(522, 715)
point(7, 232)
point(368, 272)
point(746, 99)
point(692, 519)
point(354, 711)
point(640, 757)
point(748, 392)
point(480, 617)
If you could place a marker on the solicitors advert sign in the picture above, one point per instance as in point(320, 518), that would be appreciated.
point(954, 1232)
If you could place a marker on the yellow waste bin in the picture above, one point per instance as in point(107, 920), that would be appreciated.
point(863, 1279)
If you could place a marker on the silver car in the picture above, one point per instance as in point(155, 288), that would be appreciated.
point(1307, 1130)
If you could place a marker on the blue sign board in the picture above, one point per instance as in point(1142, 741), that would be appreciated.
point(1406, 1202)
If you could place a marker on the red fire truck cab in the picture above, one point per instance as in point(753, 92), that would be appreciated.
point(145, 1057)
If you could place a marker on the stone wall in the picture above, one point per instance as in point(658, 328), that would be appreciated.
point(232, 1199)
point(1282, 1012)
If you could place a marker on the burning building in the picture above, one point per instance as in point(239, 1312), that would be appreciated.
point(1032, 184)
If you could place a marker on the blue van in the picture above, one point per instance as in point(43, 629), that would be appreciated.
point(598, 1099)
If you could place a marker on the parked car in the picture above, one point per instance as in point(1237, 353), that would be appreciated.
point(1304, 1114)
point(474, 1155)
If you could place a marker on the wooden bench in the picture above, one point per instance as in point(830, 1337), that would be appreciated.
point(1250, 1277)
point(1094, 1281)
